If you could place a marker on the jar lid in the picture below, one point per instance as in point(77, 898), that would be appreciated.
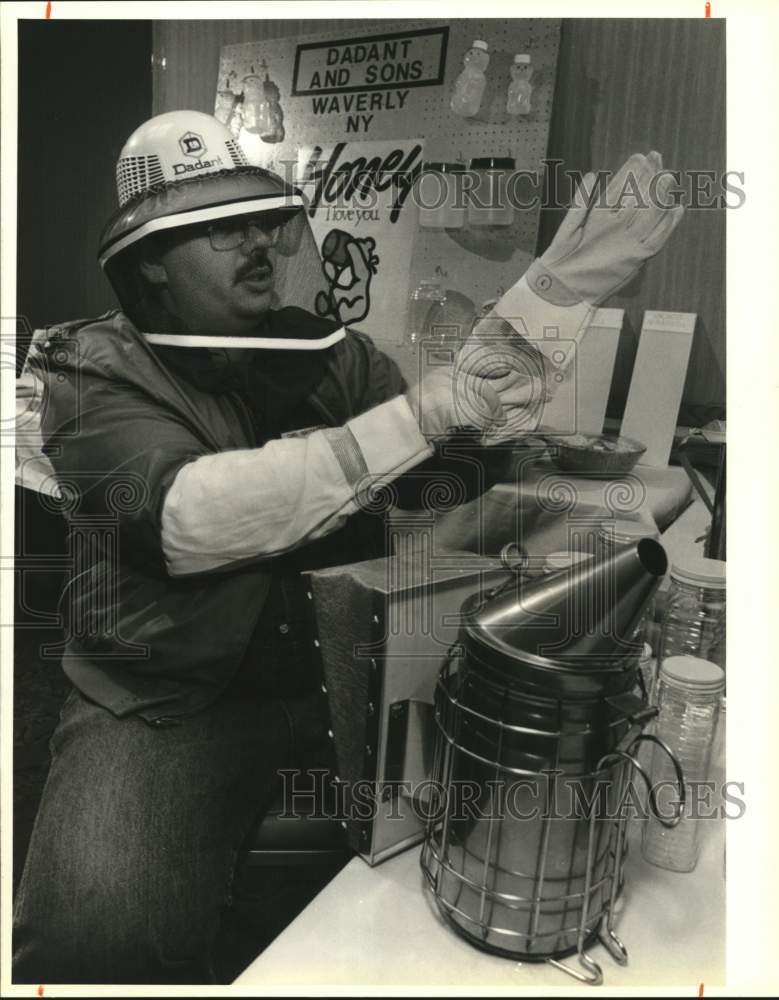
point(493, 163)
point(521, 60)
point(563, 559)
point(479, 44)
point(693, 673)
point(444, 168)
point(700, 572)
point(622, 531)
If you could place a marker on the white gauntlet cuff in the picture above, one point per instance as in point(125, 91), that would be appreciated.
point(543, 321)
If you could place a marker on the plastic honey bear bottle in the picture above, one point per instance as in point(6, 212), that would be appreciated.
point(520, 89)
point(255, 106)
point(470, 84)
point(235, 121)
point(225, 102)
point(275, 115)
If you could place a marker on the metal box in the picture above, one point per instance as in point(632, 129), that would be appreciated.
point(384, 629)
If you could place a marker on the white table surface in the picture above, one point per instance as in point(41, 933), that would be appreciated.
point(379, 927)
point(539, 508)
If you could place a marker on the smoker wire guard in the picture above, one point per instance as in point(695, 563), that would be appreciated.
point(434, 856)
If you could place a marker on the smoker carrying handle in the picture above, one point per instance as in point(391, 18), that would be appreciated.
point(638, 713)
point(627, 755)
point(679, 812)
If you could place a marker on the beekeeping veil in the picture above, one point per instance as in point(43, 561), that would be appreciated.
point(184, 169)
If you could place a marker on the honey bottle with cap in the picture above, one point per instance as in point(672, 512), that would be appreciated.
point(470, 84)
point(520, 89)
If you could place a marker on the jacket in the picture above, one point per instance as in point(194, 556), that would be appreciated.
point(153, 468)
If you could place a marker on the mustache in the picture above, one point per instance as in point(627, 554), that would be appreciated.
point(251, 266)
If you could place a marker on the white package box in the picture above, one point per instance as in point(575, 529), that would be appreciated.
point(657, 384)
point(595, 369)
point(578, 405)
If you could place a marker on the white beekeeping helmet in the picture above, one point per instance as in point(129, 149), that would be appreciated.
point(172, 146)
point(156, 177)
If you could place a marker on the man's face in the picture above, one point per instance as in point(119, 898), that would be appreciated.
point(226, 289)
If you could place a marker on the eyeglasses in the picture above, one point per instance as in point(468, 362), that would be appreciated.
point(230, 234)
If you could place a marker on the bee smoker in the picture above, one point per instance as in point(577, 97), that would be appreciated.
point(538, 722)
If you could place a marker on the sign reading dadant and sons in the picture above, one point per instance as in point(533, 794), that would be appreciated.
point(360, 77)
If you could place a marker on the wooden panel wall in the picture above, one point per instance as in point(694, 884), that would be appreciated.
point(623, 85)
point(634, 85)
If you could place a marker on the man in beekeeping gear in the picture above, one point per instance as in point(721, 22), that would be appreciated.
point(231, 437)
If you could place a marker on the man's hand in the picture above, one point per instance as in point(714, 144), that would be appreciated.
point(434, 403)
point(498, 359)
point(498, 386)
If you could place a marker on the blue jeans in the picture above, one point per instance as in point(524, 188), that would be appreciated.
point(130, 866)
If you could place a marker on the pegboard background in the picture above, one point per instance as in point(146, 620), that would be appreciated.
point(477, 262)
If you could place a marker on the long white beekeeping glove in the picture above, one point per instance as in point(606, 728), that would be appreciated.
point(501, 381)
point(602, 242)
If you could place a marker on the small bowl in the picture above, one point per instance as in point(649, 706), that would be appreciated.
point(595, 454)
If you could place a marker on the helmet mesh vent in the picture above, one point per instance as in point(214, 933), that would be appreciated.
point(236, 153)
point(135, 174)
